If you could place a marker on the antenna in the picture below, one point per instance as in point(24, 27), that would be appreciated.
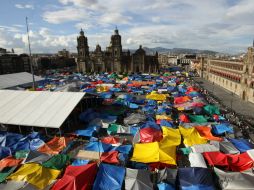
point(30, 54)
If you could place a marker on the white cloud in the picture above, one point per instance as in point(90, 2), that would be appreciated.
point(65, 15)
point(25, 6)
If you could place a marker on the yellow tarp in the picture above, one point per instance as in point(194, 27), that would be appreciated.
point(35, 174)
point(163, 151)
point(191, 136)
point(164, 117)
point(171, 136)
point(155, 96)
point(102, 88)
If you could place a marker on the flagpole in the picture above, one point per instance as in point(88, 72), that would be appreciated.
point(30, 56)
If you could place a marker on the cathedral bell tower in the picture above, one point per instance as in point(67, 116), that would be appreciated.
point(83, 52)
point(116, 46)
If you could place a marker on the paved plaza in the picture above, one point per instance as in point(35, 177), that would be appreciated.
point(227, 98)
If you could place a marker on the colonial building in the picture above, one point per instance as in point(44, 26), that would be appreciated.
point(114, 59)
point(236, 76)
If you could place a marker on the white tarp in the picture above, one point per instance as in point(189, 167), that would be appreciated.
point(16, 79)
point(197, 160)
point(38, 109)
point(200, 148)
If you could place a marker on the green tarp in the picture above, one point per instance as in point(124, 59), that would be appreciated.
point(5, 173)
point(112, 128)
point(21, 154)
point(197, 119)
point(212, 109)
point(57, 162)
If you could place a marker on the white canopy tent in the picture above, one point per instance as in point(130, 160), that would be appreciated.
point(16, 79)
point(37, 109)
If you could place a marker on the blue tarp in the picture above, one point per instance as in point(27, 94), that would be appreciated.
point(36, 143)
point(222, 128)
point(165, 186)
point(109, 177)
point(195, 179)
point(79, 162)
point(166, 123)
point(242, 144)
point(98, 147)
point(123, 149)
point(151, 124)
point(4, 152)
point(88, 132)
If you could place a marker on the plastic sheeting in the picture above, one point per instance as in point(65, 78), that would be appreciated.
point(109, 177)
point(138, 180)
point(212, 109)
point(55, 145)
point(35, 174)
point(57, 162)
point(150, 134)
point(242, 144)
point(77, 177)
point(98, 147)
point(228, 148)
point(206, 133)
point(9, 162)
point(191, 136)
point(235, 180)
point(4, 152)
point(36, 157)
point(200, 148)
point(157, 97)
point(110, 157)
point(195, 178)
point(154, 152)
point(222, 128)
point(134, 118)
point(167, 175)
point(236, 163)
point(197, 119)
point(197, 160)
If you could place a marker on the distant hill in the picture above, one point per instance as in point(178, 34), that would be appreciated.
point(176, 51)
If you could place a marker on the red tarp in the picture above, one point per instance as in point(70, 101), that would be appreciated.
point(181, 99)
point(110, 157)
point(110, 140)
point(191, 89)
point(206, 133)
point(150, 134)
point(77, 178)
point(184, 118)
point(237, 162)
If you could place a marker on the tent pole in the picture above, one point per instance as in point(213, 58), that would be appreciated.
point(60, 132)
point(20, 129)
point(46, 131)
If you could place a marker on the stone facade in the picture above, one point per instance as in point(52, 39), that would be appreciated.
point(114, 59)
point(236, 76)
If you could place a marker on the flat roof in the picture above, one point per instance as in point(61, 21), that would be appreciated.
point(37, 108)
point(16, 79)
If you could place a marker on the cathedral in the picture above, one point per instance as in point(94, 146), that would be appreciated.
point(114, 59)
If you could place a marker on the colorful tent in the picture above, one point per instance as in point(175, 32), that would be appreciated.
point(77, 177)
point(109, 177)
point(35, 174)
point(150, 134)
point(206, 133)
point(36, 157)
point(195, 178)
point(222, 128)
point(138, 179)
point(235, 180)
point(57, 162)
point(55, 145)
point(191, 136)
point(212, 109)
point(242, 144)
point(239, 162)
point(156, 96)
point(9, 162)
point(197, 119)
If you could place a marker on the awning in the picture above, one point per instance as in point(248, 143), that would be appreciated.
point(38, 109)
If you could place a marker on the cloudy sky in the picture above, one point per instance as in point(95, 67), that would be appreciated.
point(220, 25)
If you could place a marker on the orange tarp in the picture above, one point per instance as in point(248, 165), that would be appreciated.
point(206, 133)
point(181, 99)
point(9, 162)
point(56, 145)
